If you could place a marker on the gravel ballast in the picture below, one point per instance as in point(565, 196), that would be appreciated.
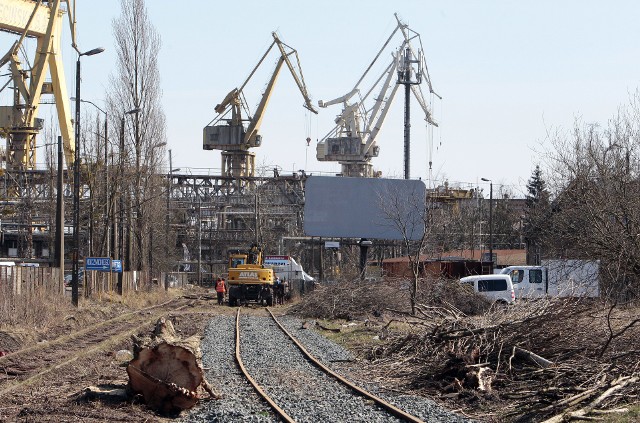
point(302, 390)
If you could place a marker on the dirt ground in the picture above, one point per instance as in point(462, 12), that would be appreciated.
point(59, 395)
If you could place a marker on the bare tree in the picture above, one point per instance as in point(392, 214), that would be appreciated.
point(596, 209)
point(409, 216)
point(136, 95)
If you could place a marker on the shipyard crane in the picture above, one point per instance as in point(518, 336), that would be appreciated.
point(237, 133)
point(353, 141)
point(19, 123)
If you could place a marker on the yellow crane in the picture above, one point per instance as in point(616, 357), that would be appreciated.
point(230, 133)
point(19, 123)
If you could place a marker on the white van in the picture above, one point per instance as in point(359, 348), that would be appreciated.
point(496, 288)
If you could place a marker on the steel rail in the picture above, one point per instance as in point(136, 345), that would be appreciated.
point(379, 401)
point(255, 384)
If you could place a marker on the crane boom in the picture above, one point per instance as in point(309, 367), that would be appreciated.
point(231, 135)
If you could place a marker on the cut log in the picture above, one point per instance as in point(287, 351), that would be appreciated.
point(167, 371)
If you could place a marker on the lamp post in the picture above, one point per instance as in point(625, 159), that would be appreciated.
point(490, 219)
point(76, 181)
point(121, 219)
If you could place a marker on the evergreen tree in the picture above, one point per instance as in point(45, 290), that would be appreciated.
point(536, 218)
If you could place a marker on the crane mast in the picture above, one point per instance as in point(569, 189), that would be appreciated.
point(353, 141)
point(237, 134)
point(19, 123)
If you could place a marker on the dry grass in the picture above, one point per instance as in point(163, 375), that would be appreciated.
point(38, 309)
point(39, 314)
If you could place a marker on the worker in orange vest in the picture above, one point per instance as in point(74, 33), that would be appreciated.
point(221, 289)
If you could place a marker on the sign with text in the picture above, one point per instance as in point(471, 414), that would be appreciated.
point(116, 266)
point(101, 264)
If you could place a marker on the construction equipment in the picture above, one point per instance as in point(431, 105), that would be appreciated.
point(230, 134)
point(352, 142)
point(249, 279)
point(19, 123)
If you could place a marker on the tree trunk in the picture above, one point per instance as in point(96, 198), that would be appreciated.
point(167, 371)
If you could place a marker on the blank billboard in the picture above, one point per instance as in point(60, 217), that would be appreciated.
point(372, 208)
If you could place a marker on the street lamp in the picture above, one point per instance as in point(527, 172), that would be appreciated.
point(106, 189)
point(121, 229)
point(490, 219)
point(76, 181)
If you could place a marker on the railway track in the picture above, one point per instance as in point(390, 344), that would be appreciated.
point(277, 387)
point(28, 365)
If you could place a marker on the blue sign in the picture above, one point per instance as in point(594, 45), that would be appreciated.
point(101, 264)
point(116, 266)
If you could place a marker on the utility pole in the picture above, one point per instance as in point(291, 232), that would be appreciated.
point(490, 220)
point(60, 218)
point(199, 238)
point(167, 248)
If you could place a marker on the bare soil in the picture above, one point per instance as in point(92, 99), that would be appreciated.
point(44, 374)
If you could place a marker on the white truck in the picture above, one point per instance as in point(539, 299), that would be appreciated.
point(286, 268)
point(556, 278)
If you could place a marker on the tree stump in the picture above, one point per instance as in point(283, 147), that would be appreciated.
point(167, 371)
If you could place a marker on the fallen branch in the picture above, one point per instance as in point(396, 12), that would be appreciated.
point(582, 414)
point(533, 357)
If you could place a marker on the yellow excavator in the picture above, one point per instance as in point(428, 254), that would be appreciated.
point(248, 279)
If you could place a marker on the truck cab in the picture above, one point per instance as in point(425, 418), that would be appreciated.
point(528, 281)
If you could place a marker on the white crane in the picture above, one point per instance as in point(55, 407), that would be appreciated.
point(352, 142)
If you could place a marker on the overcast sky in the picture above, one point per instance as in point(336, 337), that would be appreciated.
point(507, 71)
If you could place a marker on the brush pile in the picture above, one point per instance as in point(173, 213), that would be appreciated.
point(350, 300)
point(556, 359)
